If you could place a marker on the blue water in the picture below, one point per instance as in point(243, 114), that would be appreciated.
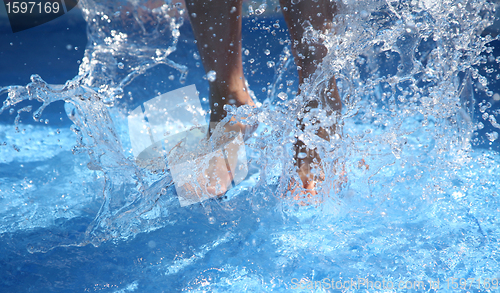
point(72, 221)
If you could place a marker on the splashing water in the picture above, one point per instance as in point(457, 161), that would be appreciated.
point(404, 188)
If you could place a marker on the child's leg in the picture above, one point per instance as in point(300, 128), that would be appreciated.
point(319, 14)
point(217, 29)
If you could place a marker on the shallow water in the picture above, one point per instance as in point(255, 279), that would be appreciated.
point(417, 200)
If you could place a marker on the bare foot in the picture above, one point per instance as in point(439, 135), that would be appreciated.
point(308, 159)
point(214, 166)
point(305, 193)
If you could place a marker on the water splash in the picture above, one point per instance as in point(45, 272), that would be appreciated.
point(406, 71)
point(125, 40)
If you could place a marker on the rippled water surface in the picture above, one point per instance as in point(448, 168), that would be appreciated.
point(410, 190)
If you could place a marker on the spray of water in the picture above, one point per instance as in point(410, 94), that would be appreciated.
point(406, 71)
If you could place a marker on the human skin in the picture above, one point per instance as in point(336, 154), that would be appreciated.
point(217, 28)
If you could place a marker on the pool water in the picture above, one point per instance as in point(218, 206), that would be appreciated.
point(414, 209)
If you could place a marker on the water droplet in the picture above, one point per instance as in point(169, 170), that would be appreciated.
point(176, 33)
point(492, 136)
point(121, 65)
point(282, 96)
point(261, 9)
point(211, 76)
point(267, 52)
point(302, 155)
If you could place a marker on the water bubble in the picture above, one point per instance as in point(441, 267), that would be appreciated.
point(69, 47)
point(171, 77)
point(246, 52)
point(211, 76)
point(270, 64)
point(193, 15)
point(496, 97)
point(302, 155)
point(251, 61)
point(211, 220)
point(121, 65)
point(276, 25)
point(233, 9)
point(196, 56)
point(267, 52)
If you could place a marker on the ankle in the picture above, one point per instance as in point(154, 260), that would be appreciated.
point(219, 98)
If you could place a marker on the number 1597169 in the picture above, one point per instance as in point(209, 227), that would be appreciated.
point(32, 7)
